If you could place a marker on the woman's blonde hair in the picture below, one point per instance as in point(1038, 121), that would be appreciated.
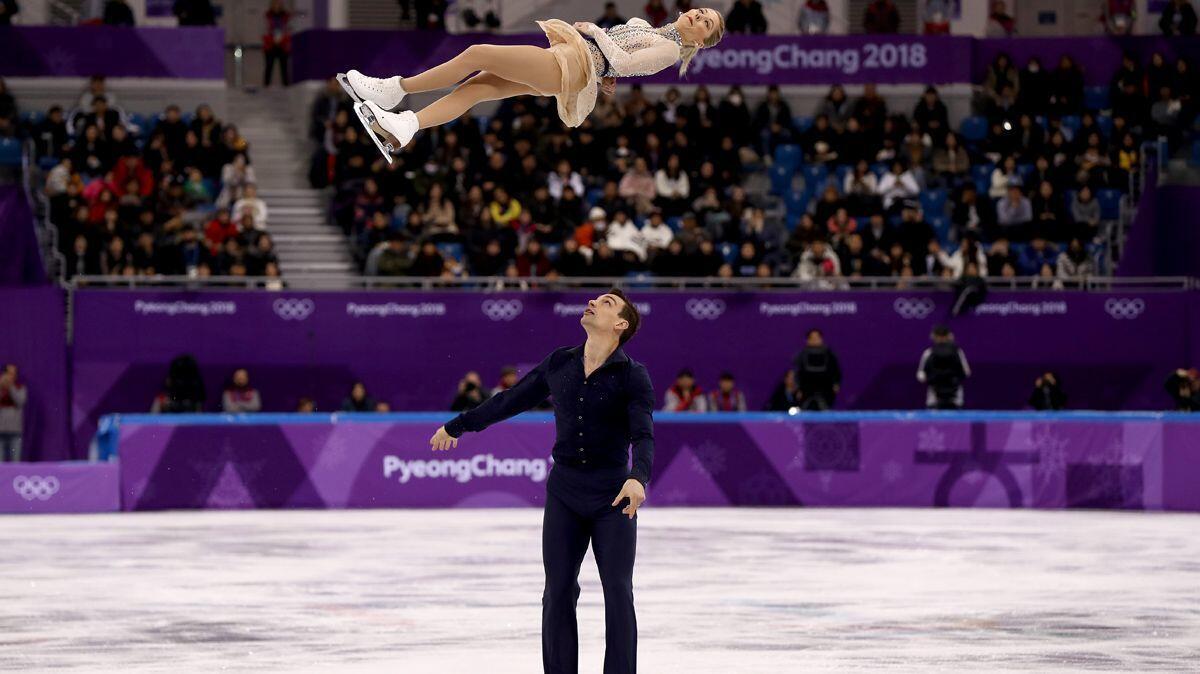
point(688, 51)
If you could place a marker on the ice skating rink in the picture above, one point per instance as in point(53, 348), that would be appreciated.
point(718, 590)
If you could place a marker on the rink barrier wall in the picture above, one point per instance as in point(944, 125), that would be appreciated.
point(1132, 461)
point(757, 59)
point(1111, 351)
point(59, 487)
point(192, 52)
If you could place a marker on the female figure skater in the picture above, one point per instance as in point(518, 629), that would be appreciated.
point(570, 69)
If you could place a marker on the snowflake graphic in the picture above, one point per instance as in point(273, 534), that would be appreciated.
point(931, 440)
point(62, 61)
point(1051, 468)
point(709, 458)
point(762, 489)
point(974, 477)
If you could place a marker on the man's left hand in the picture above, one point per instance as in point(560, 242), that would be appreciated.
point(635, 492)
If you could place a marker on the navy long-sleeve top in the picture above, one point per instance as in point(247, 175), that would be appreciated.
point(597, 417)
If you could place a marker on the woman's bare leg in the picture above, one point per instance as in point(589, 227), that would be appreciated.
point(525, 64)
point(486, 86)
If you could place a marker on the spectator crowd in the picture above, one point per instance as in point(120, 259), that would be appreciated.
point(129, 195)
point(695, 186)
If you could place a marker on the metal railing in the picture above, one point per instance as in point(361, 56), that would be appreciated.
point(682, 284)
point(53, 260)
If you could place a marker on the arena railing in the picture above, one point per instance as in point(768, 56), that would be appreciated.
point(53, 260)
point(496, 283)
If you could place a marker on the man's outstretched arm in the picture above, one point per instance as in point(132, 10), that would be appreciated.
point(526, 393)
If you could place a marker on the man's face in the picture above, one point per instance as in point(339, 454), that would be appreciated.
point(726, 385)
point(815, 340)
point(604, 313)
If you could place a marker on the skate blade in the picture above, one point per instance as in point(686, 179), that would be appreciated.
point(345, 82)
point(367, 118)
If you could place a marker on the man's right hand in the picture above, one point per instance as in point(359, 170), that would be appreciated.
point(442, 441)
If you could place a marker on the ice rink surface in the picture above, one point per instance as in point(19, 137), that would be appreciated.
point(730, 591)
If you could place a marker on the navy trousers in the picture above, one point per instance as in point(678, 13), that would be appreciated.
point(579, 510)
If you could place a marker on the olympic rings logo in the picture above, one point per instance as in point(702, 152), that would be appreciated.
point(291, 309)
point(705, 309)
point(1124, 309)
point(915, 308)
point(30, 487)
point(502, 310)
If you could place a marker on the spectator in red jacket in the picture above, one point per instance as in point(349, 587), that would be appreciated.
point(684, 395)
point(881, 18)
point(218, 230)
point(727, 397)
point(132, 167)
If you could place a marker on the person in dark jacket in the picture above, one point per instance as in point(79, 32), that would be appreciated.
point(118, 13)
point(1184, 388)
point(881, 17)
point(7, 9)
point(786, 396)
point(1047, 393)
point(603, 402)
point(746, 16)
point(471, 393)
point(1178, 18)
point(194, 12)
point(818, 373)
point(358, 400)
point(943, 368)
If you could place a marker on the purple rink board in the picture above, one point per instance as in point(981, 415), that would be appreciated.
point(1137, 461)
point(1111, 350)
point(59, 487)
point(33, 335)
point(754, 60)
point(193, 52)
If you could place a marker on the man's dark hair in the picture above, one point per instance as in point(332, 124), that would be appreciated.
point(941, 331)
point(726, 375)
point(813, 331)
point(630, 313)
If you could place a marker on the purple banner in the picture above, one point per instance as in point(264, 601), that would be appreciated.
point(759, 59)
point(740, 59)
point(1140, 462)
point(67, 487)
point(412, 348)
point(33, 337)
point(20, 260)
point(53, 51)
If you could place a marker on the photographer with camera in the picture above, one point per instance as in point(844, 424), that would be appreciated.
point(818, 374)
point(470, 393)
point(943, 368)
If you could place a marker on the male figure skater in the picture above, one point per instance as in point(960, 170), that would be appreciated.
point(602, 403)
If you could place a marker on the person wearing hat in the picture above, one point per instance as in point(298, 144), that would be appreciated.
point(592, 229)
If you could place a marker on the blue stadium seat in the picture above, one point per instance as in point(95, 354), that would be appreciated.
point(781, 179)
point(933, 202)
point(552, 250)
point(815, 176)
point(1069, 198)
point(593, 196)
point(941, 226)
point(1025, 171)
point(879, 168)
point(455, 250)
point(788, 156)
point(1105, 123)
point(10, 152)
point(1195, 160)
point(841, 173)
point(1096, 98)
point(802, 124)
point(32, 117)
point(1110, 203)
point(974, 129)
point(675, 223)
point(796, 202)
point(1072, 123)
point(729, 251)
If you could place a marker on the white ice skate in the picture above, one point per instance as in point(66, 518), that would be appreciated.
point(386, 93)
point(390, 130)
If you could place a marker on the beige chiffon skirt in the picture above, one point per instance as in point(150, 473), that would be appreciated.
point(579, 82)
